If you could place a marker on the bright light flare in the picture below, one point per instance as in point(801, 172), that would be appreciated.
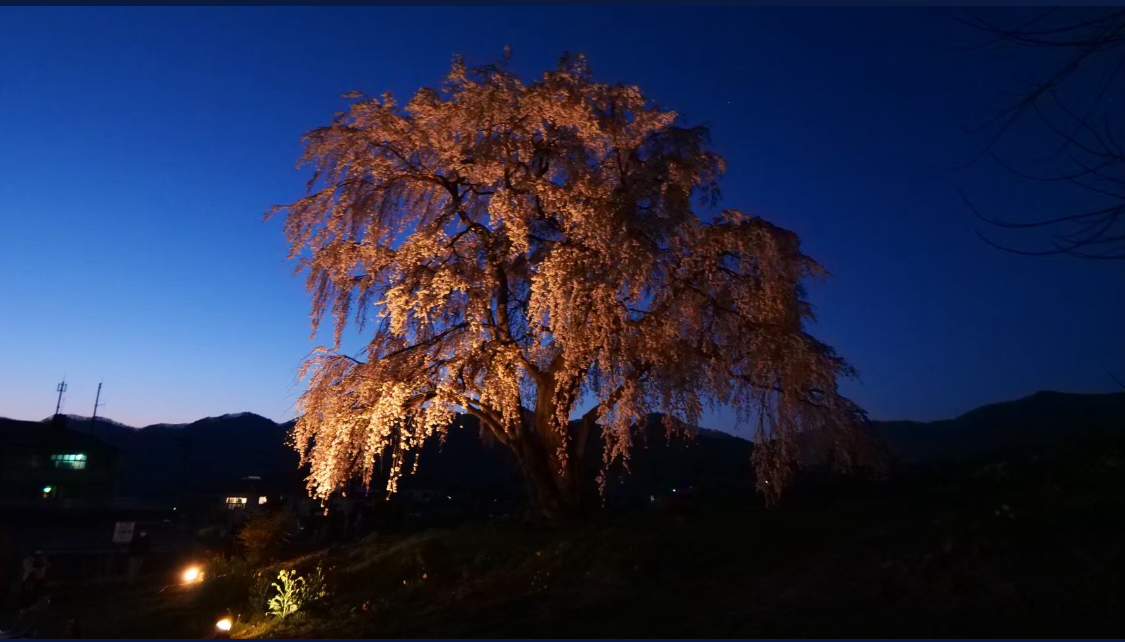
point(223, 624)
point(192, 574)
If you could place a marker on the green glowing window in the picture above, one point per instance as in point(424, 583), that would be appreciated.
point(76, 461)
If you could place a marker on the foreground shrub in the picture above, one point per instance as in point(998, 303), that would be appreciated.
point(264, 536)
point(295, 593)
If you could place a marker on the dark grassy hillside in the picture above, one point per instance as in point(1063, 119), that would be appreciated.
point(1028, 547)
point(1022, 540)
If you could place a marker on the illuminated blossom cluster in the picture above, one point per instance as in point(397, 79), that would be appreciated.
point(524, 248)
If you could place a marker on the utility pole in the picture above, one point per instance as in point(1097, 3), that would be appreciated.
point(61, 388)
point(97, 402)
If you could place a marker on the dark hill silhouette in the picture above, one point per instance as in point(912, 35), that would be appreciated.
point(465, 461)
point(167, 461)
point(1042, 420)
point(170, 461)
point(468, 462)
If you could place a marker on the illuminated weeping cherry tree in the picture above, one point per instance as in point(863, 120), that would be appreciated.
point(524, 249)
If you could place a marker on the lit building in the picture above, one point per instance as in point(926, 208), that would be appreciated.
point(48, 463)
point(249, 494)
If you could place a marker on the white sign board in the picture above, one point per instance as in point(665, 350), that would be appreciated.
point(123, 532)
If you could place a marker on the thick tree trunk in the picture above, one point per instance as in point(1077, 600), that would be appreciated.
point(545, 491)
point(554, 490)
point(552, 460)
point(584, 488)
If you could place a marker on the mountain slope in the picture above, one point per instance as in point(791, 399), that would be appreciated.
point(1042, 420)
point(170, 460)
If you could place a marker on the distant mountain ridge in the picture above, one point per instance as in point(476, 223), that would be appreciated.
point(163, 460)
point(205, 456)
point(230, 416)
point(1043, 419)
point(1039, 401)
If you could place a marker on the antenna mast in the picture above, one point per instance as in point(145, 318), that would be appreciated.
point(61, 388)
point(97, 402)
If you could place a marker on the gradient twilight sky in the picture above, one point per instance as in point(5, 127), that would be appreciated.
point(140, 148)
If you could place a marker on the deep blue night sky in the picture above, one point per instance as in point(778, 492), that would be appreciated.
point(140, 148)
